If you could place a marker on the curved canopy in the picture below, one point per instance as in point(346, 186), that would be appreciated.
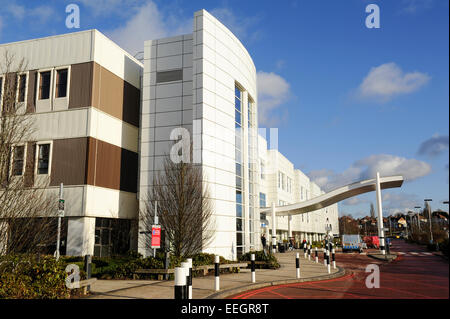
point(335, 196)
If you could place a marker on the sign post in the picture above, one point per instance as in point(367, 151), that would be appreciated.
point(61, 206)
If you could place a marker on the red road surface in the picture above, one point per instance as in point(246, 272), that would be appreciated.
point(415, 274)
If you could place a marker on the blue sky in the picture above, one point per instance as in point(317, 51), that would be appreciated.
point(347, 100)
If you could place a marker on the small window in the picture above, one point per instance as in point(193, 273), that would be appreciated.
point(18, 160)
point(44, 85)
point(22, 87)
point(43, 159)
point(61, 83)
point(169, 76)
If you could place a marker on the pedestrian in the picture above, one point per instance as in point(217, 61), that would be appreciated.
point(263, 241)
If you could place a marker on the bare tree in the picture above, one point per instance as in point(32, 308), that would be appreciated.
point(184, 208)
point(26, 212)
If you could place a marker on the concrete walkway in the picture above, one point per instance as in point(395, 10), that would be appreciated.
point(203, 287)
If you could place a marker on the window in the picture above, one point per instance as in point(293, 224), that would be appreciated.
point(43, 159)
point(44, 85)
point(262, 200)
point(22, 87)
point(18, 160)
point(61, 83)
point(169, 76)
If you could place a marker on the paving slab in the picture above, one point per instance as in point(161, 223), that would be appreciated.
point(203, 287)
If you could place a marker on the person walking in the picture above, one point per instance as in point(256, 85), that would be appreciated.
point(263, 241)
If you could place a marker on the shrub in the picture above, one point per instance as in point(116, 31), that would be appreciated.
point(22, 277)
point(269, 259)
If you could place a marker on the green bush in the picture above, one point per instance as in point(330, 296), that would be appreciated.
point(22, 277)
point(269, 259)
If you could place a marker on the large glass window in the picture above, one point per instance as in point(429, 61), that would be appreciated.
point(22, 87)
point(262, 200)
point(43, 159)
point(44, 85)
point(239, 173)
point(18, 160)
point(61, 83)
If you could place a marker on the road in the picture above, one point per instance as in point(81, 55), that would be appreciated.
point(415, 274)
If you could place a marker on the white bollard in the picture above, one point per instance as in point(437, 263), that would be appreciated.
point(216, 273)
point(185, 266)
point(252, 259)
point(324, 257)
point(180, 283)
point(317, 255)
point(189, 283)
point(328, 261)
point(297, 264)
point(309, 252)
point(333, 258)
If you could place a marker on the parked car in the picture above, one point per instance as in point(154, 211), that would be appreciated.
point(351, 243)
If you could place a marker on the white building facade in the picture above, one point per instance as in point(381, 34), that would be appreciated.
point(206, 83)
point(110, 131)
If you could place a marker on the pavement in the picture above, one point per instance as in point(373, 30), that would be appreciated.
point(414, 274)
point(203, 287)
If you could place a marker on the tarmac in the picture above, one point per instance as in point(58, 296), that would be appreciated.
point(203, 287)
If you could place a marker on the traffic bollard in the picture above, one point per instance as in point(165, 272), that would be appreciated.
point(324, 257)
point(297, 264)
point(252, 259)
point(328, 261)
point(180, 283)
point(88, 270)
point(304, 250)
point(317, 255)
point(216, 273)
point(185, 265)
point(333, 258)
point(309, 252)
point(189, 283)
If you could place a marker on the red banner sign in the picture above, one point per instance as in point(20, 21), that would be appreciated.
point(156, 236)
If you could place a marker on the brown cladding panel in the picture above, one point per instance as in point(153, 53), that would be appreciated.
point(115, 96)
point(90, 157)
point(31, 102)
point(29, 166)
point(81, 79)
point(128, 171)
point(111, 167)
point(69, 161)
point(107, 172)
point(131, 103)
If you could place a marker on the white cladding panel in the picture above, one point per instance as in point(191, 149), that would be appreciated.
point(53, 51)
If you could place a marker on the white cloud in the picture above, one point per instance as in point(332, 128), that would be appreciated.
point(17, 11)
point(388, 80)
point(273, 91)
point(148, 23)
point(107, 7)
point(434, 146)
point(241, 26)
point(399, 203)
point(355, 201)
point(366, 168)
point(412, 6)
point(42, 13)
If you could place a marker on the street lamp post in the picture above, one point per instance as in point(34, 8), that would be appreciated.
point(429, 216)
point(418, 217)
